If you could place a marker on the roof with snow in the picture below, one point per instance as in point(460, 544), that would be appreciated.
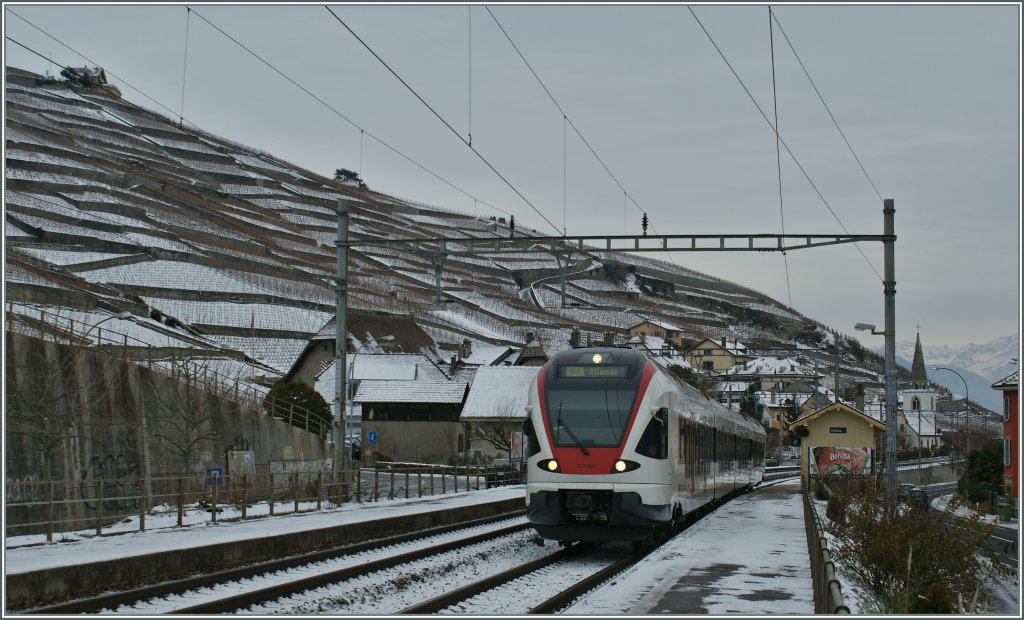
point(733, 346)
point(771, 365)
point(662, 324)
point(1007, 382)
point(924, 422)
point(499, 392)
point(410, 392)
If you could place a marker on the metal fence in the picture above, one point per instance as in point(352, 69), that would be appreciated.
point(828, 594)
point(65, 509)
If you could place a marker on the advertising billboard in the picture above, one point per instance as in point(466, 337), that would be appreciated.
point(839, 461)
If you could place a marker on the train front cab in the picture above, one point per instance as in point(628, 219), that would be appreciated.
point(590, 426)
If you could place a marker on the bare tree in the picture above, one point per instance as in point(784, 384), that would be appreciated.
point(185, 409)
point(49, 393)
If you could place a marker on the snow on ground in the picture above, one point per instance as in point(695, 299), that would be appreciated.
point(24, 554)
point(745, 557)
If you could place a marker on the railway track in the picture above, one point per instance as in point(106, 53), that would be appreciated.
point(135, 599)
point(439, 571)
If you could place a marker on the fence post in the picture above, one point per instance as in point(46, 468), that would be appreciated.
point(359, 486)
point(143, 504)
point(443, 480)
point(271, 501)
point(49, 511)
point(319, 488)
point(419, 483)
point(407, 484)
point(295, 490)
point(376, 481)
point(391, 484)
point(99, 507)
point(430, 470)
point(245, 502)
point(467, 480)
point(213, 508)
point(455, 478)
point(181, 500)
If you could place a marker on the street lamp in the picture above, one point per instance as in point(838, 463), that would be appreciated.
point(967, 406)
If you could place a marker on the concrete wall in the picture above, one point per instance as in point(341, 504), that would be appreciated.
point(419, 442)
point(74, 415)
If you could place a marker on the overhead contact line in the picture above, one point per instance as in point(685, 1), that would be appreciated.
point(440, 118)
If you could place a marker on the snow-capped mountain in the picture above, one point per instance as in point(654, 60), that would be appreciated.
point(992, 360)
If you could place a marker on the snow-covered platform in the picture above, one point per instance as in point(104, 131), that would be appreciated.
point(45, 573)
point(747, 557)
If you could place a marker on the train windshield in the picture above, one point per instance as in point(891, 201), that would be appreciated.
point(590, 394)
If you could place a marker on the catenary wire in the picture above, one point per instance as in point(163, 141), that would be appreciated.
point(834, 121)
point(339, 114)
point(783, 142)
point(173, 113)
point(564, 115)
point(440, 118)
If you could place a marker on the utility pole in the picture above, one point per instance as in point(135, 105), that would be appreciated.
point(889, 287)
point(341, 463)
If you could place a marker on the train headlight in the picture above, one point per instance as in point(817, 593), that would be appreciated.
point(549, 465)
point(621, 466)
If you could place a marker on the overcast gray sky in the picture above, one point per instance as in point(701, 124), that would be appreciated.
point(928, 96)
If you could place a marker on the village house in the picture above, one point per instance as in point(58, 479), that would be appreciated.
point(1011, 447)
point(717, 356)
point(412, 421)
point(668, 332)
point(495, 410)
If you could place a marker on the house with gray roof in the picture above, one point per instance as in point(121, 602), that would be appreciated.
point(495, 409)
point(412, 421)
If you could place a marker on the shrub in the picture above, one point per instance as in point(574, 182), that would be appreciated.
point(910, 561)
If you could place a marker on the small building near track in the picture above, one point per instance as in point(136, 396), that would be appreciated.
point(837, 440)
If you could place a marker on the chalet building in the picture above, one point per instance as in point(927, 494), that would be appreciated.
point(412, 421)
point(717, 356)
point(533, 354)
point(776, 372)
point(837, 440)
point(668, 332)
point(392, 333)
point(1011, 424)
point(495, 409)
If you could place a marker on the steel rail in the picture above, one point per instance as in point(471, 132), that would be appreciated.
point(478, 587)
point(262, 595)
point(116, 599)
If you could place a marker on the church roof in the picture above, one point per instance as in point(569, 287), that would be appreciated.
point(918, 374)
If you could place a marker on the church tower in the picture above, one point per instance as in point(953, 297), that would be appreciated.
point(918, 374)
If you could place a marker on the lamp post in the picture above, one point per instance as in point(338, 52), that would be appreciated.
point(967, 407)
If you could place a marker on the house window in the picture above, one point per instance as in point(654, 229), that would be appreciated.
point(1006, 407)
point(1006, 451)
point(708, 366)
point(915, 404)
point(707, 352)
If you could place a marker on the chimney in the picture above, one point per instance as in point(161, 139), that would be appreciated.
point(455, 361)
point(529, 337)
point(574, 337)
point(590, 339)
point(723, 342)
point(467, 348)
point(858, 398)
point(609, 339)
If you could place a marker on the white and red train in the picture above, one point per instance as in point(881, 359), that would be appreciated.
point(619, 447)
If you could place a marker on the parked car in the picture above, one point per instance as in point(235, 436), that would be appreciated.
point(504, 471)
point(918, 497)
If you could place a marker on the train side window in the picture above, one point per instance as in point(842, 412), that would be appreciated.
point(532, 444)
point(654, 442)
